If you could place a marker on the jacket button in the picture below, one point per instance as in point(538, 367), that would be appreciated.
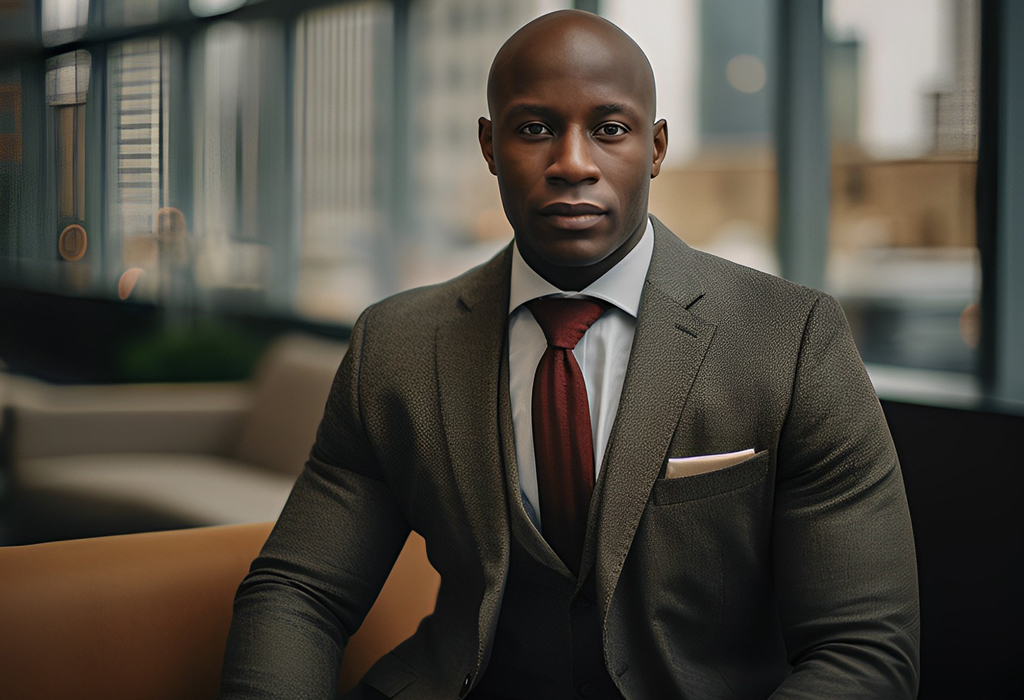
point(588, 690)
point(465, 685)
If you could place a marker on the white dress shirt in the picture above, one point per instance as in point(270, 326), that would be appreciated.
point(602, 353)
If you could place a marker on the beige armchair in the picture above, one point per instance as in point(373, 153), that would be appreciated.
point(201, 454)
point(145, 616)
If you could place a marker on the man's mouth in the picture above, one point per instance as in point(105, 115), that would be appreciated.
point(575, 216)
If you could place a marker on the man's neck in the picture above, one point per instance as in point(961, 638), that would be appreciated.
point(575, 279)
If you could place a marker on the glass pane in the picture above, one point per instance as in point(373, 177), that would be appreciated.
point(197, 189)
point(713, 67)
point(343, 124)
point(903, 96)
point(67, 78)
point(137, 72)
point(64, 20)
point(239, 190)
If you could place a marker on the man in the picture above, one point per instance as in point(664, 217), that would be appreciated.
point(532, 419)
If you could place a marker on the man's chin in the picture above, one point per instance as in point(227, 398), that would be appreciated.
point(574, 254)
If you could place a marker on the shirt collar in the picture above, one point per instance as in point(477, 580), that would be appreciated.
point(622, 285)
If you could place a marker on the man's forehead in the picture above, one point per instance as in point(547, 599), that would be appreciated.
point(581, 52)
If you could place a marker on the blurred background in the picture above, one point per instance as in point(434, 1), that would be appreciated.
point(198, 198)
point(303, 160)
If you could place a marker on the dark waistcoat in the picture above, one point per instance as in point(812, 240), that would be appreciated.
point(547, 643)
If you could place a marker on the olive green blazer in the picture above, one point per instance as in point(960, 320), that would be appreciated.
point(790, 575)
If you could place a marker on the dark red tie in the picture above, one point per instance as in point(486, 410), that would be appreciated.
point(562, 438)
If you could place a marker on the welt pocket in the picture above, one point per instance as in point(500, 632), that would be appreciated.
point(691, 488)
point(389, 675)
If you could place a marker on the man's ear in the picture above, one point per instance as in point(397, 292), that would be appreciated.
point(483, 132)
point(660, 146)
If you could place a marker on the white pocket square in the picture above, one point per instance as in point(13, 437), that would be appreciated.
point(689, 466)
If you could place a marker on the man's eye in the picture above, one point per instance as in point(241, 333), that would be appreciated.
point(535, 129)
point(611, 130)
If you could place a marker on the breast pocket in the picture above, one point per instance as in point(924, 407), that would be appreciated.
point(668, 492)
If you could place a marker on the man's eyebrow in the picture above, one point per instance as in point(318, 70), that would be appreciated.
point(614, 107)
point(533, 109)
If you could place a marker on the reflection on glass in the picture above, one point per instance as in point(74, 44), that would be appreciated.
point(136, 73)
point(67, 78)
point(64, 20)
point(209, 8)
point(903, 86)
point(67, 86)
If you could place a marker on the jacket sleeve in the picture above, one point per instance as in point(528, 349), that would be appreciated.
point(324, 563)
point(845, 569)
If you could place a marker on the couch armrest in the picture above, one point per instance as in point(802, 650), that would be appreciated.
point(131, 616)
point(146, 616)
point(52, 421)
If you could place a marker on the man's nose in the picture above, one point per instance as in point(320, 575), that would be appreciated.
point(572, 161)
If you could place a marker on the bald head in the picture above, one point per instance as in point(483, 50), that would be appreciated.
point(573, 142)
point(568, 41)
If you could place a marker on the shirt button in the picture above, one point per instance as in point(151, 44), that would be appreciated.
point(465, 685)
point(588, 690)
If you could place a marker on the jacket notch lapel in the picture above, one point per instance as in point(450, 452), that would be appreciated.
point(668, 350)
point(468, 356)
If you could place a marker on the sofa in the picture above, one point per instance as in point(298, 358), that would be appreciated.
point(189, 454)
point(145, 616)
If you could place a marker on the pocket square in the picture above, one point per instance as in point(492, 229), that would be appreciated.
point(690, 466)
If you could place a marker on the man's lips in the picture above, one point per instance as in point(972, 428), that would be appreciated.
point(573, 216)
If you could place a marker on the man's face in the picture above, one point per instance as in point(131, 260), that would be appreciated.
point(574, 148)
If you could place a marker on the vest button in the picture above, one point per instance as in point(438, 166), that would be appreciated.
point(465, 685)
point(588, 690)
point(581, 603)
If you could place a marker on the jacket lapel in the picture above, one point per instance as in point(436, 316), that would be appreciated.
point(522, 527)
point(468, 354)
point(668, 349)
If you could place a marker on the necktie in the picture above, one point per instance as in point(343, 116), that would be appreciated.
point(563, 442)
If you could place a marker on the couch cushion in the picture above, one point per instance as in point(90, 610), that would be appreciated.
point(290, 391)
point(202, 489)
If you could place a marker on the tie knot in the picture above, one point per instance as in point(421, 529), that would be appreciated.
point(564, 321)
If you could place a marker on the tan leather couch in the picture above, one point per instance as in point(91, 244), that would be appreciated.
point(145, 616)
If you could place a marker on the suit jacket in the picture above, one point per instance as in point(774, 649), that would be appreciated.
point(791, 575)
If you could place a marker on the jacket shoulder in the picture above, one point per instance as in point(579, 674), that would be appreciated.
point(421, 309)
point(731, 292)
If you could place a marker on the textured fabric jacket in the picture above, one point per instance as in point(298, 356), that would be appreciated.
point(790, 575)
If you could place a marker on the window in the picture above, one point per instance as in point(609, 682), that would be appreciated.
point(903, 256)
point(307, 160)
point(343, 92)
